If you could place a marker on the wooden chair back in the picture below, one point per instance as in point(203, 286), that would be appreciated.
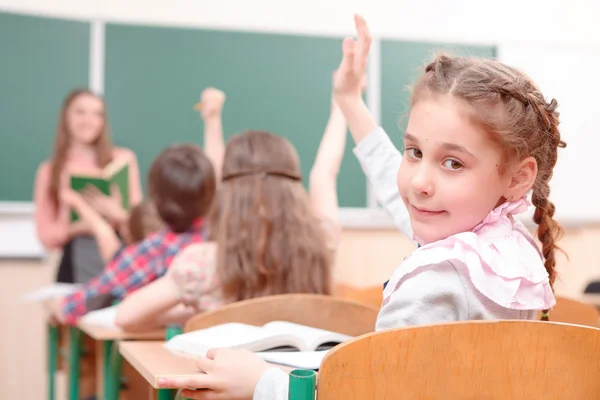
point(574, 312)
point(483, 360)
point(319, 311)
point(372, 296)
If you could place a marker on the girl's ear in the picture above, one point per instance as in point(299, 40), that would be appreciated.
point(522, 178)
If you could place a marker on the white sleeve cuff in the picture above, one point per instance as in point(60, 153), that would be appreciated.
point(272, 385)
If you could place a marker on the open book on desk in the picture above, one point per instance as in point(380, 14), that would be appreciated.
point(273, 340)
point(295, 359)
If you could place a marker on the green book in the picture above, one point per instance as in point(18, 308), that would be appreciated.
point(115, 173)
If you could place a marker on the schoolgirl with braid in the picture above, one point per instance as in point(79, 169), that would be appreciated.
point(481, 137)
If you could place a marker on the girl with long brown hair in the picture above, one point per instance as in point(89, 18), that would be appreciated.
point(82, 145)
point(269, 236)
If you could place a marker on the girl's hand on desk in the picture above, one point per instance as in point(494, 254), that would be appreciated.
point(228, 374)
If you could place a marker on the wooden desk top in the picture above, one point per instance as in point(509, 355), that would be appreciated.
point(153, 361)
point(104, 333)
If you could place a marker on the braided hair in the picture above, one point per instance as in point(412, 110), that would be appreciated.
point(506, 104)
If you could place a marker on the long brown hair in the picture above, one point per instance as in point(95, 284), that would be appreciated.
point(269, 240)
point(511, 108)
point(62, 141)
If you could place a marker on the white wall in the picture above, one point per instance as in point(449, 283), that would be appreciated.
point(570, 76)
point(510, 21)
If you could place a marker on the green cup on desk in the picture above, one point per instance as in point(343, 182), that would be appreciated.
point(302, 384)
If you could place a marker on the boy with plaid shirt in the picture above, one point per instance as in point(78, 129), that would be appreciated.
point(182, 184)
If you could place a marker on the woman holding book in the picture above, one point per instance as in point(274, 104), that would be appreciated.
point(269, 236)
point(82, 147)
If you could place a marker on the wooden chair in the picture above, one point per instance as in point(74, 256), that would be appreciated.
point(486, 360)
point(372, 296)
point(574, 312)
point(320, 311)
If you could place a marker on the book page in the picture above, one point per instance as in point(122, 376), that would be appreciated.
point(50, 292)
point(312, 337)
point(120, 178)
point(231, 335)
point(114, 166)
point(297, 359)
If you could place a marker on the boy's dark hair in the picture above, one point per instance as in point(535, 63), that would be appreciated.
point(182, 184)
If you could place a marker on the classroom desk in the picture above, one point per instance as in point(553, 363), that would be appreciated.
point(153, 362)
point(101, 333)
point(108, 359)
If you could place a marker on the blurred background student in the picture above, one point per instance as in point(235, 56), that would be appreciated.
point(269, 236)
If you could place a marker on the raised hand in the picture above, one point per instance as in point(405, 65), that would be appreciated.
point(349, 82)
point(211, 103)
point(349, 77)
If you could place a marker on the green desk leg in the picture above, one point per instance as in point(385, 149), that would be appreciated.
point(106, 347)
point(52, 358)
point(74, 362)
point(112, 370)
point(302, 384)
point(166, 394)
point(170, 394)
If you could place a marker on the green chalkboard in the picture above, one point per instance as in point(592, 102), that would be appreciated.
point(41, 60)
point(402, 62)
point(279, 83)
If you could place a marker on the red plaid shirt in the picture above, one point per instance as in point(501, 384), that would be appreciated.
point(135, 266)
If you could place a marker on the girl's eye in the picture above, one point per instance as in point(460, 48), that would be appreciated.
point(453, 165)
point(414, 153)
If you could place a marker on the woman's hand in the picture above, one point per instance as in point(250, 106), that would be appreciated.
point(110, 207)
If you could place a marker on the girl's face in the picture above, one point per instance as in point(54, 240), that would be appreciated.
point(85, 119)
point(449, 177)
